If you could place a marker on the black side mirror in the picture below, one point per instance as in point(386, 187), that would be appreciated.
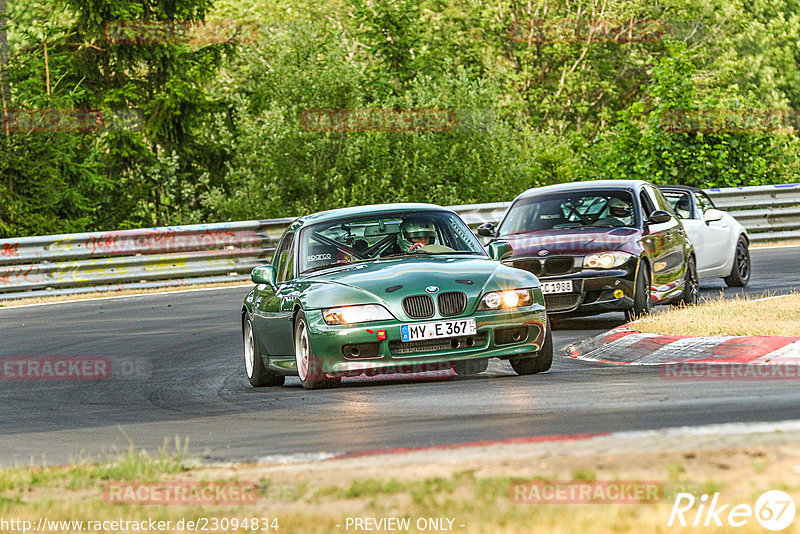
point(487, 230)
point(659, 217)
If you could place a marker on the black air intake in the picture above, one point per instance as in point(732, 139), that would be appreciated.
point(452, 303)
point(418, 306)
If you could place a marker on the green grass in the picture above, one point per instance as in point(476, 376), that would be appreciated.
point(675, 470)
point(134, 465)
point(316, 505)
point(586, 475)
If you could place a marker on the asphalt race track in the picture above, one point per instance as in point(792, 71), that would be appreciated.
point(181, 376)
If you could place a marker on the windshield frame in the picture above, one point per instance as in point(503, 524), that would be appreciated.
point(303, 239)
point(532, 199)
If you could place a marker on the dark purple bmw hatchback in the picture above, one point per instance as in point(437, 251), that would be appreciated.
point(600, 246)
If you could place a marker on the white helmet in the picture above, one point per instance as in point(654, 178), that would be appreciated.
point(616, 207)
point(412, 229)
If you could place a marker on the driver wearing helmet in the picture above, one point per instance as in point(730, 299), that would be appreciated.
point(620, 213)
point(415, 234)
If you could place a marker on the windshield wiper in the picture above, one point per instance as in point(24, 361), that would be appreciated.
point(397, 255)
point(589, 226)
point(334, 264)
point(426, 253)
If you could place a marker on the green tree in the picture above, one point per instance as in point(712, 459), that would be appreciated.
point(642, 144)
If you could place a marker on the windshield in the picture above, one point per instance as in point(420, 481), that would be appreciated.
point(570, 210)
point(360, 238)
point(680, 202)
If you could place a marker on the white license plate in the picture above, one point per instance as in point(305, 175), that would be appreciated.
point(438, 329)
point(560, 286)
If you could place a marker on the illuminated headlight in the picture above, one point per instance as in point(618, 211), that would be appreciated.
point(506, 299)
point(605, 260)
point(356, 314)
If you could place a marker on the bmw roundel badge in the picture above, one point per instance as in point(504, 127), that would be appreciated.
point(432, 289)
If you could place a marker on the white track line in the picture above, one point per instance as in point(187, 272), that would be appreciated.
point(773, 246)
point(95, 299)
point(717, 429)
point(721, 429)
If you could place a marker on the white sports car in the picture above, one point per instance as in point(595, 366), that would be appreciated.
point(720, 242)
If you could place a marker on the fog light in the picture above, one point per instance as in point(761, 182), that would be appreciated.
point(618, 293)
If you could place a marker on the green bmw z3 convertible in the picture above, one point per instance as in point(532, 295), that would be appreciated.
point(388, 289)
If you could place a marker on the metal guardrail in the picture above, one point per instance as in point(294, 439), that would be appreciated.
point(769, 212)
point(149, 257)
point(210, 253)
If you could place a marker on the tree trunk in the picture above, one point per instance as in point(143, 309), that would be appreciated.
point(3, 63)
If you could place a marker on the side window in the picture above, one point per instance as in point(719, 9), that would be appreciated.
point(287, 264)
point(282, 261)
point(703, 202)
point(663, 202)
point(658, 199)
point(647, 205)
point(681, 203)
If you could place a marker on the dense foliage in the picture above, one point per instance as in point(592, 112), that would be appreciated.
point(214, 130)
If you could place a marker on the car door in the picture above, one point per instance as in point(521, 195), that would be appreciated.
point(692, 220)
point(716, 234)
point(663, 244)
point(274, 306)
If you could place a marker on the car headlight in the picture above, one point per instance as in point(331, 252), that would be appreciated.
point(605, 260)
point(506, 299)
point(356, 314)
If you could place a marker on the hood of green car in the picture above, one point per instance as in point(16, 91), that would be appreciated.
point(389, 281)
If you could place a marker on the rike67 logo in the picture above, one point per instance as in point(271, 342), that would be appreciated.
point(774, 510)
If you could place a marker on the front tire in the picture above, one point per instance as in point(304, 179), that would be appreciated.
point(541, 361)
point(691, 284)
point(641, 295)
point(740, 273)
point(309, 368)
point(254, 367)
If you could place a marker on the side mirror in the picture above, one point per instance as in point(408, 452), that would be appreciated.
point(659, 217)
point(713, 215)
point(265, 274)
point(499, 250)
point(487, 230)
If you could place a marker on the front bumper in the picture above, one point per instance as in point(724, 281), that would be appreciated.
point(499, 335)
point(593, 291)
